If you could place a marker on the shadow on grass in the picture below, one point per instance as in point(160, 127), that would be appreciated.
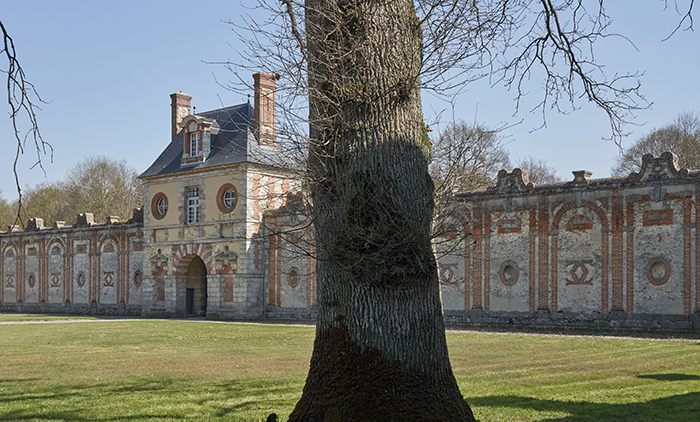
point(678, 408)
point(670, 377)
point(148, 399)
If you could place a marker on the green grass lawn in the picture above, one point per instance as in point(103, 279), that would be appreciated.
point(31, 317)
point(180, 370)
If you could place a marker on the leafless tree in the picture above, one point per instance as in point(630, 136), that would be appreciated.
point(353, 71)
point(466, 157)
point(539, 172)
point(682, 137)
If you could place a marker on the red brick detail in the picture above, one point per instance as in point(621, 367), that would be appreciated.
point(255, 203)
point(509, 225)
point(556, 221)
point(687, 258)
point(579, 222)
point(256, 256)
point(278, 296)
point(533, 272)
point(272, 293)
point(697, 249)
point(228, 288)
point(264, 113)
point(159, 273)
point(658, 217)
point(487, 273)
point(604, 273)
point(532, 265)
point(543, 258)
point(180, 101)
point(477, 260)
point(555, 274)
point(182, 257)
point(617, 252)
point(467, 273)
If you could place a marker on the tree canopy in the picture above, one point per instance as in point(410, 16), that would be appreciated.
point(99, 185)
point(681, 136)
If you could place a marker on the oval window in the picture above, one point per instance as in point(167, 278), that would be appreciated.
point(159, 206)
point(227, 198)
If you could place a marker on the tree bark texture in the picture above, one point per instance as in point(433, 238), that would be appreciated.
point(380, 352)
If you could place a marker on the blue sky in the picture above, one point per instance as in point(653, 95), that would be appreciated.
point(107, 68)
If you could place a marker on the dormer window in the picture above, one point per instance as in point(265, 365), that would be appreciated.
point(197, 139)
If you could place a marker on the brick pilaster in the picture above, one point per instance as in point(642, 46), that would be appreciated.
point(697, 248)
point(555, 274)
point(533, 258)
point(617, 227)
point(477, 257)
point(604, 271)
point(543, 254)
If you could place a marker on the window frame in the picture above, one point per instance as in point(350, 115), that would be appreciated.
point(195, 141)
point(192, 202)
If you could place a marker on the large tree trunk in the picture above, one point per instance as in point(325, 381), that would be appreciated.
point(380, 351)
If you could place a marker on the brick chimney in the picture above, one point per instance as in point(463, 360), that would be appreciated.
point(265, 86)
point(179, 109)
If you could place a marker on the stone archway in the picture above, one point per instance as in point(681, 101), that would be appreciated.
point(196, 288)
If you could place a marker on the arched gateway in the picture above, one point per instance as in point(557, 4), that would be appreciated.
point(195, 286)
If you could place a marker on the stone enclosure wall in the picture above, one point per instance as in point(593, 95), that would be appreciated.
point(86, 268)
point(594, 253)
point(617, 252)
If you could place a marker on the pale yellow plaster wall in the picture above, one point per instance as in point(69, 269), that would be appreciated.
point(212, 186)
point(170, 189)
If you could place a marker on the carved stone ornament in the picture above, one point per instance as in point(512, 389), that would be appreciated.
point(658, 271)
point(35, 224)
point(159, 261)
point(512, 182)
point(84, 220)
point(659, 168)
point(226, 258)
point(509, 273)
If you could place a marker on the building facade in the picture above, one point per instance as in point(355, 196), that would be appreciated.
point(222, 235)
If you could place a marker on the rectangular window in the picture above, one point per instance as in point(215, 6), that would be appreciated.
point(194, 144)
point(192, 205)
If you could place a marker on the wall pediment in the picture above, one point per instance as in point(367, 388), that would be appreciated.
point(663, 167)
point(516, 181)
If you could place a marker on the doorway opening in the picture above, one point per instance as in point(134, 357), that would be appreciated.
point(196, 288)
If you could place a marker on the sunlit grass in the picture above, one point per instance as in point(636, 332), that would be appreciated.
point(39, 317)
point(182, 370)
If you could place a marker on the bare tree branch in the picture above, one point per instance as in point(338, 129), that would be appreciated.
point(19, 97)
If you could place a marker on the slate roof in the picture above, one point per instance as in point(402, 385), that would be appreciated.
point(232, 141)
